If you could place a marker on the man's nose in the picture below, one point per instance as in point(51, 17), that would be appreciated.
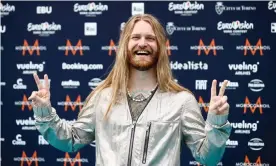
point(142, 42)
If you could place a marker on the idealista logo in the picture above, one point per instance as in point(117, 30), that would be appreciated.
point(186, 8)
point(19, 84)
point(29, 160)
point(72, 104)
point(31, 49)
point(70, 84)
point(2, 28)
point(244, 128)
point(202, 104)
point(256, 144)
point(6, 9)
point(43, 29)
point(247, 162)
point(91, 9)
point(256, 85)
point(170, 47)
point(18, 140)
point(27, 124)
point(74, 49)
point(235, 28)
point(244, 69)
point(44, 9)
point(112, 47)
point(189, 65)
point(247, 104)
point(171, 28)
point(253, 49)
point(94, 82)
point(30, 68)
point(212, 47)
point(230, 85)
point(72, 161)
point(220, 8)
point(24, 103)
point(272, 6)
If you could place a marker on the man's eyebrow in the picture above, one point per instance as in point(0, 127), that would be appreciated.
point(137, 34)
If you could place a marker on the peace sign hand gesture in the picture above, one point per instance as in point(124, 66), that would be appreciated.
point(218, 104)
point(41, 98)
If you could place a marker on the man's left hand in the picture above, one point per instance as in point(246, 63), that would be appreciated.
point(218, 104)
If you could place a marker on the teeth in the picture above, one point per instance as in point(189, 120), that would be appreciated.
point(142, 52)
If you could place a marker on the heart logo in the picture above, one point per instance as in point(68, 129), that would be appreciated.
point(187, 5)
point(235, 24)
point(45, 26)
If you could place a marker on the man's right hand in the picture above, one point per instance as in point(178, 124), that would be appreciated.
point(41, 98)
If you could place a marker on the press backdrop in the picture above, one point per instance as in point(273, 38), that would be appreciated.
point(75, 44)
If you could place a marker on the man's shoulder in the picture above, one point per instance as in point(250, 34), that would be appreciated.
point(99, 93)
point(106, 91)
point(185, 94)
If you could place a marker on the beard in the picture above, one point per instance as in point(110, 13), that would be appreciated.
point(142, 63)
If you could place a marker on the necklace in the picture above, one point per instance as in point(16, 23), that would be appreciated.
point(141, 97)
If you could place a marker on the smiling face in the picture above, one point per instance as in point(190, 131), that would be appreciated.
point(142, 47)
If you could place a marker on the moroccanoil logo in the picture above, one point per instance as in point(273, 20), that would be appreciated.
point(68, 161)
point(24, 103)
point(206, 49)
point(259, 47)
point(246, 162)
point(170, 47)
point(247, 104)
point(111, 48)
point(202, 104)
point(69, 104)
point(29, 161)
point(198, 164)
point(73, 49)
point(35, 48)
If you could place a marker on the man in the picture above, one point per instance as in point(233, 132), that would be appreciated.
point(139, 115)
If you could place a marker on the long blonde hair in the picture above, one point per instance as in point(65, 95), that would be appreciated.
point(118, 77)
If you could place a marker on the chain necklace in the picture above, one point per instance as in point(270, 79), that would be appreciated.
point(141, 97)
